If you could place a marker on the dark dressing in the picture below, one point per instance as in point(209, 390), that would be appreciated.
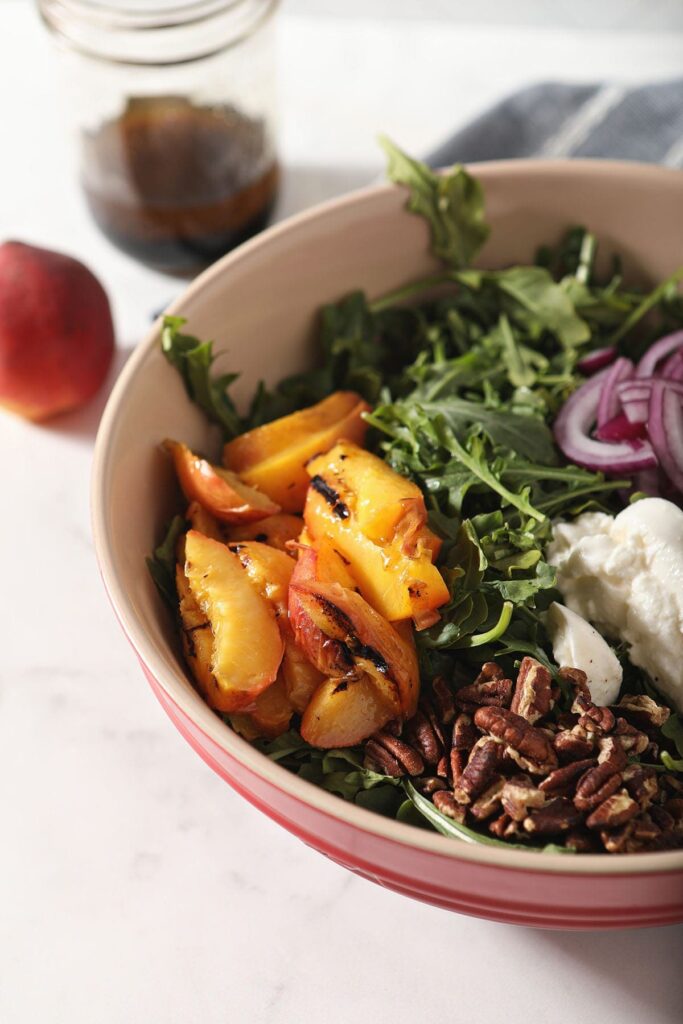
point(177, 185)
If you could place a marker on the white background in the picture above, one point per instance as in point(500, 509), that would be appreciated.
point(134, 885)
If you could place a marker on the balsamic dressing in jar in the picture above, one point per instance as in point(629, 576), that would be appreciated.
point(176, 184)
point(174, 109)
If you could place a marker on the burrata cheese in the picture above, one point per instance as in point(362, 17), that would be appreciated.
point(625, 575)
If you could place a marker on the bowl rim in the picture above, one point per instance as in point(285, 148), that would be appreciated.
point(192, 705)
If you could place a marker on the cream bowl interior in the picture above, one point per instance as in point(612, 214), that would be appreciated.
point(259, 305)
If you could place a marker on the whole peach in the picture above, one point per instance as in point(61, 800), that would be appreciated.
point(56, 331)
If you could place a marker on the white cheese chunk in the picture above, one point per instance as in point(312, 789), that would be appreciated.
point(625, 575)
point(576, 643)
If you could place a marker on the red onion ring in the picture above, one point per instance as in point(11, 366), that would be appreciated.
point(665, 429)
point(572, 433)
point(657, 352)
point(595, 361)
point(608, 405)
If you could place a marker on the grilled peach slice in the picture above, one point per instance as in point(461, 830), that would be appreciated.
point(396, 585)
point(320, 563)
point(270, 715)
point(269, 570)
point(319, 560)
point(383, 503)
point(203, 522)
point(278, 531)
point(272, 711)
point(273, 457)
point(345, 712)
point(247, 646)
point(355, 632)
point(196, 637)
point(300, 676)
point(219, 491)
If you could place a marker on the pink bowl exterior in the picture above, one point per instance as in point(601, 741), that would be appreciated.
point(550, 891)
point(499, 893)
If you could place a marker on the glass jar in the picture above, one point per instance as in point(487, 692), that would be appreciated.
point(173, 103)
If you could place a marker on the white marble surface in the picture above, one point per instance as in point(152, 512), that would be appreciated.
point(134, 885)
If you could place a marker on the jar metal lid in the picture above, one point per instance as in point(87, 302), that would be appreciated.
point(154, 32)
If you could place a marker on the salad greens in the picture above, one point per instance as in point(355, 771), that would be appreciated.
point(466, 371)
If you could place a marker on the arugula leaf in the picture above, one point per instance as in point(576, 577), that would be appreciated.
point(673, 730)
point(517, 357)
point(452, 203)
point(410, 416)
point(662, 291)
point(541, 304)
point(163, 562)
point(193, 359)
point(455, 830)
point(672, 764)
point(338, 771)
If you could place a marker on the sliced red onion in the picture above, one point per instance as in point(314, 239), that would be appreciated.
point(665, 429)
point(608, 404)
point(634, 396)
point(657, 352)
point(673, 367)
point(620, 428)
point(636, 411)
point(632, 390)
point(572, 429)
point(595, 361)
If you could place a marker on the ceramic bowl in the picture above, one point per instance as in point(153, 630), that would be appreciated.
point(259, 304)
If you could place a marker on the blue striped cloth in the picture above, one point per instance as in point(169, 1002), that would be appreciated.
point(557, 120)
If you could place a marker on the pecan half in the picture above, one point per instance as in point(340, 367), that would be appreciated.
point(577, 680)
point(631, 739)
point(393, 756)
point(563, 778)
point(519, 794)
point(556, 817)
point(445, 802)
point(465, 733)
point(480, 768)
point(616, 810)
point(596, 785)
point(499, 825)
point(621, 840)
point(641, 783)
point(573, 744)
point(457, 764)
point(527, 746)
point(640, 710)
point(442, 699)
point(488, 692)
point(644, 830)
point(422, 736)
point(490, 670)
point(430, 785)
point(533, 697)
point(600, 720)
point(489, 802)
point(612, 753)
